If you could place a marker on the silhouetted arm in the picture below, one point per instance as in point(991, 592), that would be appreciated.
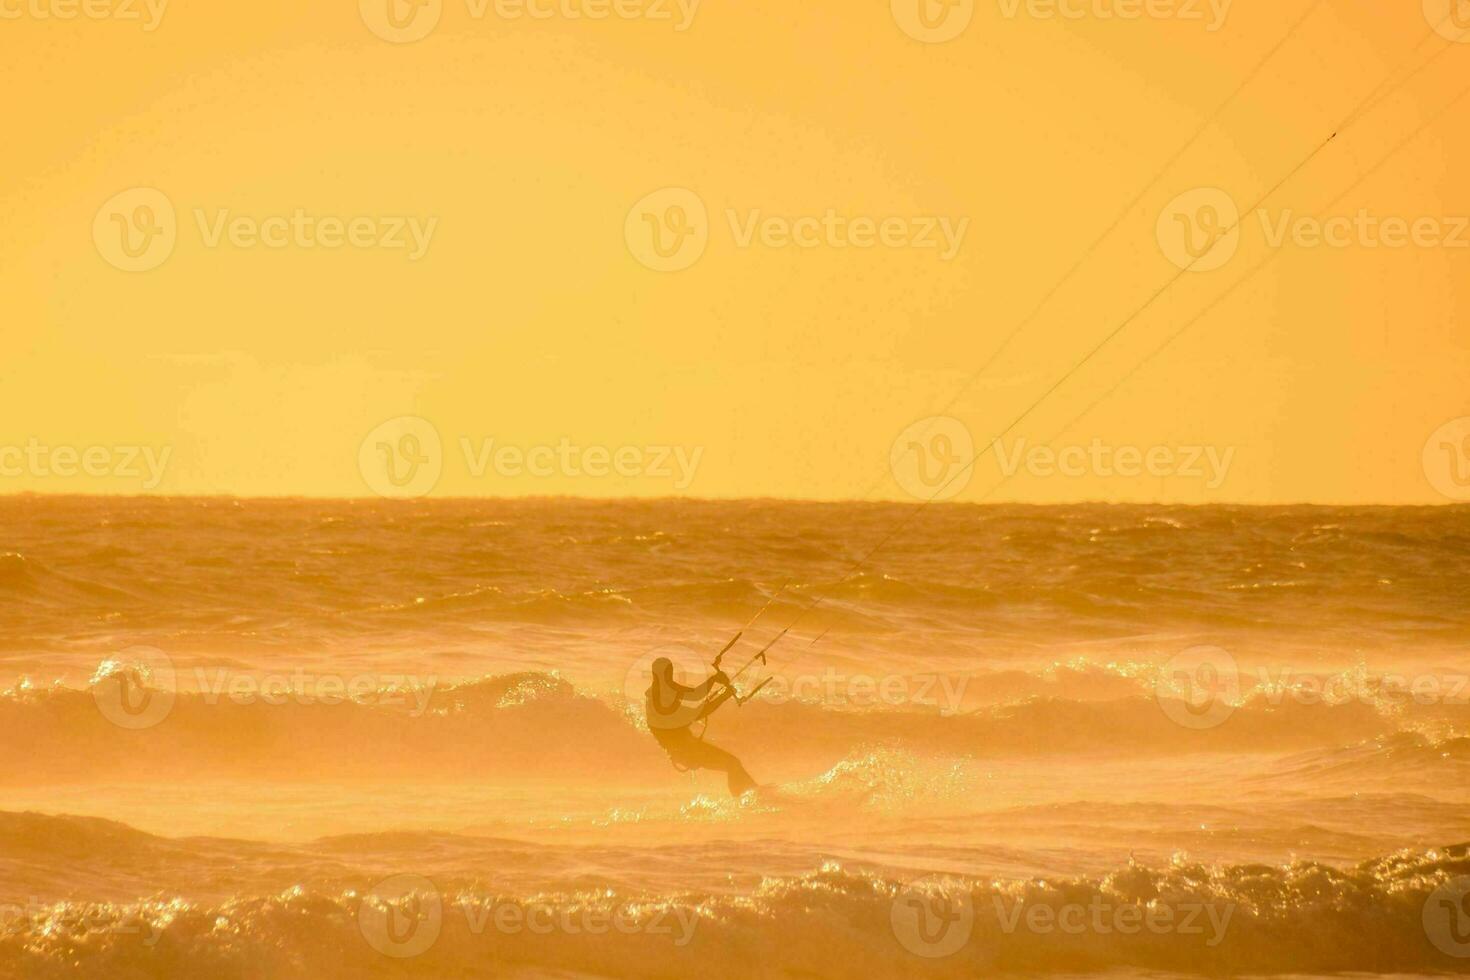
point(700, 691)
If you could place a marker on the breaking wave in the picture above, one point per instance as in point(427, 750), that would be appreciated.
point(535, 722)
point(1183, 917)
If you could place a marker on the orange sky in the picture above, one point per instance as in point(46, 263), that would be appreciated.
point(459, 229)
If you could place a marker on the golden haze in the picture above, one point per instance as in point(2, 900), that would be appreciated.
point(527, 320)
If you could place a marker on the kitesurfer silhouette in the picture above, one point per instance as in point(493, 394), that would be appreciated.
point(673, 709)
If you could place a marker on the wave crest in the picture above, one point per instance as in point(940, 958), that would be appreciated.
point(1183, 917)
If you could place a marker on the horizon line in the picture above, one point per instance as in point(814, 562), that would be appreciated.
point(691, 499)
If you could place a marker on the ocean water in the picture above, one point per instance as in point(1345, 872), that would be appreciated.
point(359, 739)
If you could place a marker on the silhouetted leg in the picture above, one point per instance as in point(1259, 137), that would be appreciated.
point(721, 761)
point(692, 753)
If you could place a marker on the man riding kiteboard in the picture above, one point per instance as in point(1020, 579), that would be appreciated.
point(673, 709)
